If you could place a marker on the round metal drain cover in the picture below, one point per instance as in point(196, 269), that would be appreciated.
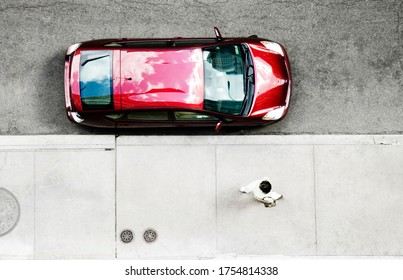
point(126, 236)
point(150, 235)
point(9, 211)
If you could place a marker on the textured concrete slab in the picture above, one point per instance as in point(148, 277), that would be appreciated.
point(246, 227)
point(17, 176)
point(242, 224)
point(359, 192)
point(65, 186)
point(75, 204)
point(169, 189)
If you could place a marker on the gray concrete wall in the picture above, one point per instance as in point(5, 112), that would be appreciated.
point(342, 196)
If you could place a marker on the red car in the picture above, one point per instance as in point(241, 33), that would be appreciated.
point(177, 82)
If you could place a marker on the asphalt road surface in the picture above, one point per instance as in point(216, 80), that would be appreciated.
point(346, 57)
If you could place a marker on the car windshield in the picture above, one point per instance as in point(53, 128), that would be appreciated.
point(228, 75)
point(96, 79)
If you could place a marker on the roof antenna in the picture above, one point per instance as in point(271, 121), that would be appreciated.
point(217, 34)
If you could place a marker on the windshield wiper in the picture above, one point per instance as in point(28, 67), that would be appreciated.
point(92, 59)
point(249, 73)
point(247, 96)
point(245, 71)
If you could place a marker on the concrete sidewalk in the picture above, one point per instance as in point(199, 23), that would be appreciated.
point(342, 196)
point(65, 186)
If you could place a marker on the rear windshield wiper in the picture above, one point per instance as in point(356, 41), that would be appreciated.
point(92, 59)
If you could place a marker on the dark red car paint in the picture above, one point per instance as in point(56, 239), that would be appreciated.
point(171, 79)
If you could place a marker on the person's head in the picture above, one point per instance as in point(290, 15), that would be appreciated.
point(265, 186)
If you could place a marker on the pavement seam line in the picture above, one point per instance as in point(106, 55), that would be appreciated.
point(34, 205)
point(216, 198)
point(116, 198)
point(315, 199)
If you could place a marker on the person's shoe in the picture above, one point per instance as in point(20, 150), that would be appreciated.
point(272, 204)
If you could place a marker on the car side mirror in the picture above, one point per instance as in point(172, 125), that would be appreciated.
point(218, 126)
point(217, 34)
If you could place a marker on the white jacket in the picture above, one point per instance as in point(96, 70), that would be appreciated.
point(257, 193)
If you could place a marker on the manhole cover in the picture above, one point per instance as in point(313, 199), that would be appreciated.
point(150, 235)
point(9, 211)
point(126, 236)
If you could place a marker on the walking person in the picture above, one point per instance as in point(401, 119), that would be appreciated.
point(262, 192)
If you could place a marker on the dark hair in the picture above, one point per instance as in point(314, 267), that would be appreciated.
point(265, 186)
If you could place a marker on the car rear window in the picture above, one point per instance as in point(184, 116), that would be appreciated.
point(96, 87)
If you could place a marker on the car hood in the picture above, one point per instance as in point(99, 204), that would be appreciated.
point(271, 80)
point(162, 78)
